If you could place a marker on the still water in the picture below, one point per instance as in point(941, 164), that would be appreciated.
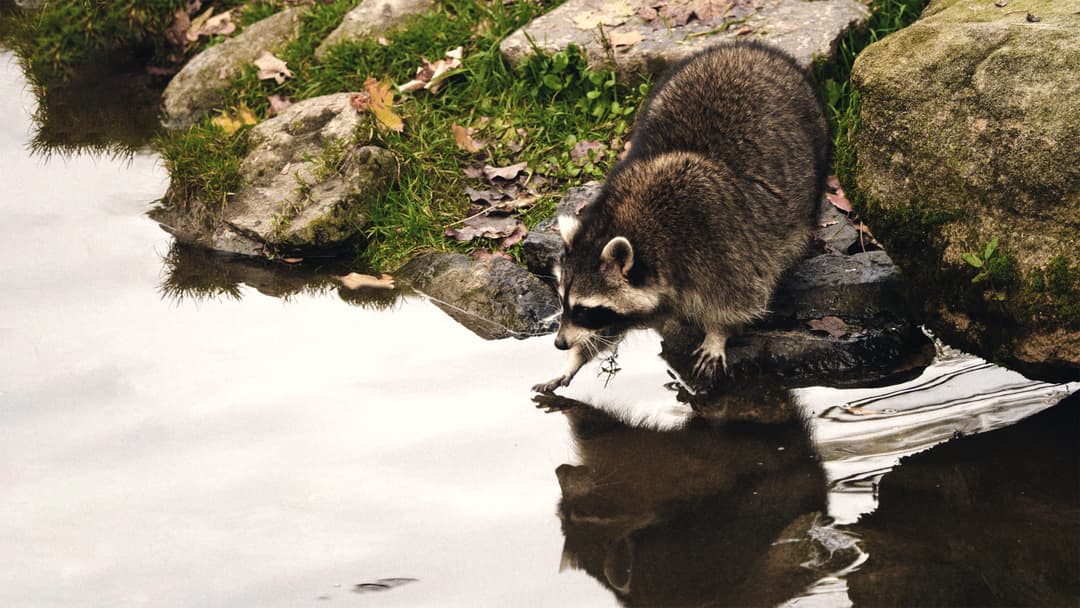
point(159, 448)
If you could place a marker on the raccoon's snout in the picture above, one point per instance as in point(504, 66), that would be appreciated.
point(561, 343)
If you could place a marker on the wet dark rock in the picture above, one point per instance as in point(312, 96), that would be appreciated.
point(986, 520)
point(803, 28)
point(493, 298)
point(201, 85)
point(372, 18)
point(305, 186)
point(984, 147)
point(543, 245)
point(542, 248)
point(860, 286)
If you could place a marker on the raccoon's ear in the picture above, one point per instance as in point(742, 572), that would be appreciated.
point(620, 253)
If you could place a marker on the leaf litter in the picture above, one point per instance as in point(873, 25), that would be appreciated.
point(378, 99)
point(431, 76)
point(271, 67)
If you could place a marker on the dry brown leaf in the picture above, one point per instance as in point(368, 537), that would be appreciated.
point(464, 140)
point(278, 104)
point(487, 227)
point(507, 173)
point(832, 183)
point(271, 67)
point(378, 98)
point(585, 152)
point(430, 76)
point(204, 25)
point(839, 201)
point(629, 38)
point(355, 280)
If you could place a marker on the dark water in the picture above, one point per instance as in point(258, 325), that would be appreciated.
point(181, 430)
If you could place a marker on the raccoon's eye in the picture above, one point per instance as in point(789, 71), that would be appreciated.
point(593, 317)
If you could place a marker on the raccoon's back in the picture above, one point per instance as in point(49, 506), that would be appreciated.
point(747, 105)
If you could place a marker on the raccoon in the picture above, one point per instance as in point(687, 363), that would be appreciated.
point(716, 198)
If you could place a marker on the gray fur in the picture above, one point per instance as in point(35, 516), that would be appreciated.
point(717, 198)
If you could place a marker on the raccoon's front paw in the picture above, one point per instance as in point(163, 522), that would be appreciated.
point(551, 385)
point(711, 353)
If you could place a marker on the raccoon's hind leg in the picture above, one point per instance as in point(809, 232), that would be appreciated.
point(713, 350)
point(577, 358)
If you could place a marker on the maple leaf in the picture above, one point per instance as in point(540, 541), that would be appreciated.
point(378, 98)
point(230, 124)
point(271, 67)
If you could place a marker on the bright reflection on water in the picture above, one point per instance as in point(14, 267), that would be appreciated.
point(268, 452)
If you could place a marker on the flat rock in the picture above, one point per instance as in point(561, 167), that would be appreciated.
point(493, 298)
point(803, 28)
point(987, 145)
point(305, 186)
point(201, 85)
point(372, 18)
point(861, 286)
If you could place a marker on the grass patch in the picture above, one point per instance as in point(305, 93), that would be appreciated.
point(535, 113)
point(841, 99)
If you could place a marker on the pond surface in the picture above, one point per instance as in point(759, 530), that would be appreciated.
point(225, 447)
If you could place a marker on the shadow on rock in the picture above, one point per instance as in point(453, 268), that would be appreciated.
point(985, 520)
point(707, 513)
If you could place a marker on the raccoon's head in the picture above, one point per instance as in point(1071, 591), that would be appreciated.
point(605, 290)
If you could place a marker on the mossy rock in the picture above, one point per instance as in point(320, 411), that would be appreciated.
point(970, 132)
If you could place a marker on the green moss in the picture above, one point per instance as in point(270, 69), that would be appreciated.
point(1061, 278)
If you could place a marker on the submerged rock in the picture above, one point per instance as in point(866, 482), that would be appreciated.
point(306, 186)
point(985, 146)
point(201, 85)
point(494, 298)
point(371, 18)
point(803, 28)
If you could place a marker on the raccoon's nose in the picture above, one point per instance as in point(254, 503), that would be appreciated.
point(561, 343)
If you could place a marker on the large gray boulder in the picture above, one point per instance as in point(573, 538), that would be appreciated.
point(493, 298)
point(201, 85)
point(305, 187)
point(372, 18)
point(803, 28)
point(970, 131)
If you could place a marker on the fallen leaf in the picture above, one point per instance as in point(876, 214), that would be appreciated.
point(355, 280)
point(834, 326)
point(430, 76)
point(292, 260)
point(196, 24)
point(832, 183)
point(177, 32)
point(485, 226)
point(839, 201)
point(378, 98)
point(473, 171)
point(520, 231)
point(464, 140)
point(278, 104)
point(507, 173)
point(220, 25)
point(629, 38)
point(271, 67)
point(585, 152)
point(231, 124)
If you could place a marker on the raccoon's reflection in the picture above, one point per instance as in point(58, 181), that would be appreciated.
point(712, 513)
